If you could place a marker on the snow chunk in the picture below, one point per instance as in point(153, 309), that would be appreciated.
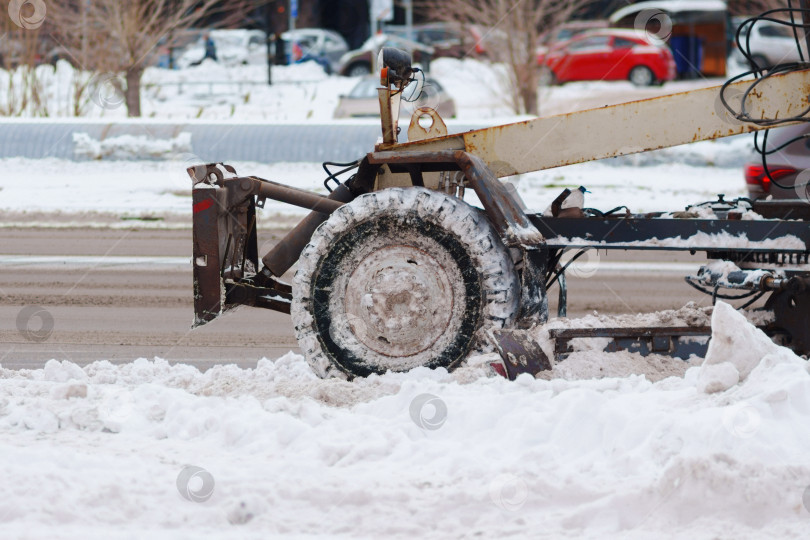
point(736, 341)
point(717, 377)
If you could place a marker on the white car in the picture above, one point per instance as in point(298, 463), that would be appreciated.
point(769, 44)
point(363, 100)
point(233, 47)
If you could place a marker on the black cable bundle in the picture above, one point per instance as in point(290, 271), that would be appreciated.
point(761, 74)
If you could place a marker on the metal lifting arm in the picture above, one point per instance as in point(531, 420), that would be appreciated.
point(621, 129)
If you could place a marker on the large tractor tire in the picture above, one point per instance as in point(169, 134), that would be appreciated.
point(401, 278)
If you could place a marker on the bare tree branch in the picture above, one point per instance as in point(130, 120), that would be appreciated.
point(122, 36)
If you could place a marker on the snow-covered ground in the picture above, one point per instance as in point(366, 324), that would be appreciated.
point(141, 185)
point(604, 446)
point(149, 449)
point(662, 181)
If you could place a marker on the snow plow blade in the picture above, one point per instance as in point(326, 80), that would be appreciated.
point(520, 353)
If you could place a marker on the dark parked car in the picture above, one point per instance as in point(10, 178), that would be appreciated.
point(361, 61)
point(447, 39)
point(789, 168)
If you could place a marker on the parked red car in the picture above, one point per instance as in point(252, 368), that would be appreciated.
point(608, 55)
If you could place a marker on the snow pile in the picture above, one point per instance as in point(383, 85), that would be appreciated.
point(274, 451)
point(132, 147)
point(580, 364)
point(735, 350)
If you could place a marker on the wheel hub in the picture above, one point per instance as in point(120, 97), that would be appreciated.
point(399, 301)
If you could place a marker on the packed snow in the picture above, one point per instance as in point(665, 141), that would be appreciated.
point(147, 448)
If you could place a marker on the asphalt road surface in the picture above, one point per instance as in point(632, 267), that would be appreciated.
point(103, 294)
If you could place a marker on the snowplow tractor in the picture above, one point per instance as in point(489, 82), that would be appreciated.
point(419, 254)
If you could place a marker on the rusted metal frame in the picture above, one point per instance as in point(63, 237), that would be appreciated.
point(790, 307)
point(246, 293)
point(262, 189)
point(504, 213)
point(782, 209)
point(621, 232)
point(391, 158)
point(206, 254)
point(225, 240)
point(363, 181)
point(562, 296)
point(533, 307)
point(646, 340)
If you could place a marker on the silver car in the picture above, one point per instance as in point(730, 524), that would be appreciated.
point(362, 101)
point(789, 168)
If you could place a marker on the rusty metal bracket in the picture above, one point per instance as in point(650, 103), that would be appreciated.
point(533, 298)
point(678, 342)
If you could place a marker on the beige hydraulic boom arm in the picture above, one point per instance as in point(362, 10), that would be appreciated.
point(617, 130)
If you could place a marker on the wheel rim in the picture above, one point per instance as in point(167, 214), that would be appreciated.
point(389, 301)
point(641, 76)
point(361, 263)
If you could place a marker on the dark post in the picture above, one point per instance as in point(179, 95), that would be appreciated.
point(805, 6)
point(268, 25)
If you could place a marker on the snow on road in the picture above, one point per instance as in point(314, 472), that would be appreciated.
point(149, 449)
